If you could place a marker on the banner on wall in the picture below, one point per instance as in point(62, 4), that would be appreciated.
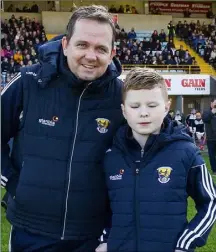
point(196, 84)
point(180, 7)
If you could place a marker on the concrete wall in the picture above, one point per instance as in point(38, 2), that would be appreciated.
point(139, 22)
point(139, 4)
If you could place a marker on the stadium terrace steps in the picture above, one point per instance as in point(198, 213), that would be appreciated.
point(204, 67)
point(50, 36)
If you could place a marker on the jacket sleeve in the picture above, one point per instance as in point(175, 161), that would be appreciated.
point(207, 116)
point(201, 188)
point(11, 107)
point(105, 235)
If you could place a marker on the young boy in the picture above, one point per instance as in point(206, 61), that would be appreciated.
point(151, 169)
point(200, 131)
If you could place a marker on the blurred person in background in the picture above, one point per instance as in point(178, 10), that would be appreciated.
point(209, 118)
point(200, 131)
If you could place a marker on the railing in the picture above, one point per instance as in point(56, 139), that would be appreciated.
point(173, 69)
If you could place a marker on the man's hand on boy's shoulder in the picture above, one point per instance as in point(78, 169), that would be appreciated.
point(102, 248)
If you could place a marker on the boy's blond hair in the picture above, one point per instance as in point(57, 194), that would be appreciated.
point(144, 78)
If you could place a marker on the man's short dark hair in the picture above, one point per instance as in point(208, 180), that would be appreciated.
point(213, 99)
point(93, 12)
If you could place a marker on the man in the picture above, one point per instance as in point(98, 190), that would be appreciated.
point(209, 118)
point(171, 30)
point(190, 121)
point(63, 114)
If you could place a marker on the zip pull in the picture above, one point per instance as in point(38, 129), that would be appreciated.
point(142, 152)
point(137, 167)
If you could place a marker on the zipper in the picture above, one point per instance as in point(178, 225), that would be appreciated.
point(71, 158)
point(142, 152)
point(137, 202)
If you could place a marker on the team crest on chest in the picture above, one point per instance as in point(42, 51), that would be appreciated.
point(164, 174)
point(102, 125)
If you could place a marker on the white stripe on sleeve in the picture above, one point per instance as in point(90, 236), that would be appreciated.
point(188, 237)
point(11, 82)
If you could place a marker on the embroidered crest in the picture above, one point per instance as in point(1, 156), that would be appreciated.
point(102, 125)
point(164, 174)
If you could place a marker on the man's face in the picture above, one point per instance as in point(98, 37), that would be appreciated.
point(89, 51)
point(145, 110)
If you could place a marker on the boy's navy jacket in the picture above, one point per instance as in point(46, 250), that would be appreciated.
point(61, 127)
point(149, 190)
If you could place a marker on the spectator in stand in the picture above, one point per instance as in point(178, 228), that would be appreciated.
point(184, 32)
point(5, 65)
point(14, 67)
point(212, 58)
point(181, 52)
point(171, 30)
point(10, 8)
point(123, 35)
point(137, 61)
point(134, 10)
point(121, 9)
point(26, 8)
point(18, 56)
point(8, 52)
point(162, 36)
point(35, 8)
point(127, 9)
point(187, 13)
point(132, 34)
point(155, 36)
point(169, 60)
point(170, 45)
point(113, 9)
point(209, 14)
point(126, 60)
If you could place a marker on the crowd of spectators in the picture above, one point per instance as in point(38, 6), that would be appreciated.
point(158, 51)
point(201, 37)
point(20, 40)
point(26, 8)
point(127, 9)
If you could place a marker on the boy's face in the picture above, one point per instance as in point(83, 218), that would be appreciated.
point(145, 110)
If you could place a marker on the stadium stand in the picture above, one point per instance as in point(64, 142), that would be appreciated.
point(201, 38)
point(21, 38)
